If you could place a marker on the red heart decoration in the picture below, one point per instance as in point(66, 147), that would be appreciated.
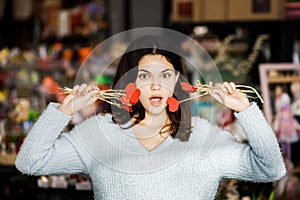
point(188, 87)
point(134, 98)
point(173, 104)
point(129, 89)
point(131, 96)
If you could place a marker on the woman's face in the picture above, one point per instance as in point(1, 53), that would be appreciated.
point(156, 80)
point(278, 91)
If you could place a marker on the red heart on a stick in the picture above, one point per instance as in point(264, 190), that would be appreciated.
point(134, 98)
point(131, 96)
point(188, 87)
point(129, 89)
point(173, 104)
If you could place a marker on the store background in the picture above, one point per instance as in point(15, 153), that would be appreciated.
point(43, 42)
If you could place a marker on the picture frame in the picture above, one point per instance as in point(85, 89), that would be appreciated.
point(266, 81)
point(255, 10)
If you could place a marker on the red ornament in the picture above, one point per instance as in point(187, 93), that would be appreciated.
point(131, 96)
point(129, 89)
point(173, 104)
point(188, 87)
point(134, 98)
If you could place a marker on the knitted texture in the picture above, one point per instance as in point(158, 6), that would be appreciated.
point(121, 168)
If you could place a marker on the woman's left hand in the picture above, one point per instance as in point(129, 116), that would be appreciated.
point(228, 95)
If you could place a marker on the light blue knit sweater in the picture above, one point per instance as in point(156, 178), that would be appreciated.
point(121, 168)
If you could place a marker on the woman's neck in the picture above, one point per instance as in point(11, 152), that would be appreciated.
point(151, 124)
point(150, 131)
point(154, 120)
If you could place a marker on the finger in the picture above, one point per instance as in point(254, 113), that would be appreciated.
point(86, 90)
point(68, 98)
point(233, 85)
point(228, 87)
point(81, 89)
point(74, 90)
point(218, 94)
point(95, 87)
point(221, 86)
point(91, 88)
point(90, 97)
point(67, 101)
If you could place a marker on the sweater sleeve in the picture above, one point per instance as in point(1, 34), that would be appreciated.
point(46, 151)
point(260, 160)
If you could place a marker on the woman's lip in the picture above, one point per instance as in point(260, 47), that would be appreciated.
point(155, 100)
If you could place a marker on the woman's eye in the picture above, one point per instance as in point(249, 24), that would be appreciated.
point(166, 75)
point(143, 76)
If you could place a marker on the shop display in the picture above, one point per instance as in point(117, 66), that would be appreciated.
point(271, 74)
point(30, 79)
point(85, 19)
point(285, 125)
point(237, 67)
point(22, 10)
point(255, 10)
point(231, 10)
point(280, 90)
point(28, 82)
point(295, 106)
point(292, 9)
point(230, 55)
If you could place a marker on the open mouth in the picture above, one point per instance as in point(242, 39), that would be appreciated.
point(155, 100)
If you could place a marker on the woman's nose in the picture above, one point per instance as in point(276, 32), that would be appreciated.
point(155, 86)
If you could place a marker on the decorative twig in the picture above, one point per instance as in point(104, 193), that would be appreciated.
point(116, 97)
point(109, 96)
point(204, 89)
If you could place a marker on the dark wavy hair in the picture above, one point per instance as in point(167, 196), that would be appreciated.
point(180, 126)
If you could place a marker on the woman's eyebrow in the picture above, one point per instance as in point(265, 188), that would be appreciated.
point(163, 71)
point(143, 70)
point(167, 70)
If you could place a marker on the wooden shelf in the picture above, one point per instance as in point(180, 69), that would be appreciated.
point(286, 79)
point(7, 159)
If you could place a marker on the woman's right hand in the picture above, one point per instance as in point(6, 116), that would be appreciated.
point(81, 96)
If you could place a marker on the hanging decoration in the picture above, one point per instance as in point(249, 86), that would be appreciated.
point(129, 96)
point(238, 67)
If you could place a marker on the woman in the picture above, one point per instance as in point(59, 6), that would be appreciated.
point(150, 148)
